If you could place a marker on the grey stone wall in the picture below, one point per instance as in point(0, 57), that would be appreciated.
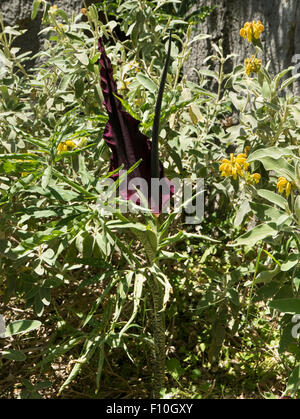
point(280, 39)
point(19, 12)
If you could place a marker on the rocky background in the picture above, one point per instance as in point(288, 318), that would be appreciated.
point(18, 12)
point(280, 39)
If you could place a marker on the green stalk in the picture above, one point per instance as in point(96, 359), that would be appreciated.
point(155, 286)
point(159, 335)
point(158, 319)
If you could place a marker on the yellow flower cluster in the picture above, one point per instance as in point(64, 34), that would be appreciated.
point(284, 185)
point(53, 9)
point(247, 149)
point(252, 65)
point(252, 30)
point(66, 146)
point(234, 166)
point(134, 66)
point(254, 178)
point(125, 84)
point(139, 101)
point(58, 27)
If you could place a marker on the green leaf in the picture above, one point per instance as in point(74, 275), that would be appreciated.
point(127, 107)
point(38, 304)
point(274, 152)
point(243, 210)
point(297, 178)
point(293, 384)
point(171, 239)
point(273, 159)
point(199, 237)
point(233, 296)
point(286, 305)
point(45, 295)
point(88, 350)
point(47, 256)
point(199, 37)
point(274, 198)
point(289, 81)
point(79, 88)
point(292, 260)
point(83, 58)
point(286, 338)
point(8, 63)
point(238, 101)
point(146, 82)
point(266, 212)
point(280, 75)
point(266, 90)
point(57, 350)
point(257, 234)
point(100, 366)
point(208, 73)
point(139, 281)
point(174, 368)
point(297, 208)
point(46, 177)
point(63, 14)
point(13, 355)
point(74, 185)
point(267, 276)
point(35, 8)
point(22, 326)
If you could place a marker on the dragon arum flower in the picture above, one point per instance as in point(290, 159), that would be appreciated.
point(284, 185)
point(235, 166)
point(127, 143)
point(252, 30)
point(252, 65)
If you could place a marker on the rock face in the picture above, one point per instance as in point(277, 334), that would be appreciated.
point(280, 39)
point(18, 12)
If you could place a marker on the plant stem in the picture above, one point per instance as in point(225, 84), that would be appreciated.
point(159, 337)
point(158, 320)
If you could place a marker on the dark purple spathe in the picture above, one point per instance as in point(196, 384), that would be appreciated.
point(122, 135)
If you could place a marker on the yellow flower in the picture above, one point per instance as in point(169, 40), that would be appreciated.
point(255, 177)
point(60, 147)
point(139, 101)
point(252, 30)
point(83, 11)
point(125, 84)
point(64, 146)
point(59, 26)
point(53, 9)
point(234, 166)
point(225, 168)
point(247, 150)
point(241, 160)
point(70, 144)
point(252, 65)
point(284, 185)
